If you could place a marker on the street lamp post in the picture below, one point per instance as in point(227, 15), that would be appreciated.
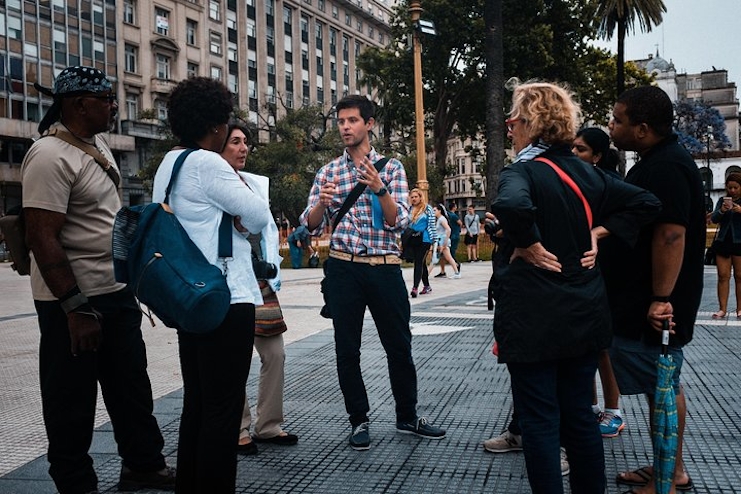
point(709, 174)
point(415, 9)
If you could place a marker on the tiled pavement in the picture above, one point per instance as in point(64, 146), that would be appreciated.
point(462, 388)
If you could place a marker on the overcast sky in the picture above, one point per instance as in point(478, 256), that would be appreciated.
point(695, 35)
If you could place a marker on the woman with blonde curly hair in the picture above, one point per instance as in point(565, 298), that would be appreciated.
point(552, 316)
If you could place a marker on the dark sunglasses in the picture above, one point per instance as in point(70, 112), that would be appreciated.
point(110, 97)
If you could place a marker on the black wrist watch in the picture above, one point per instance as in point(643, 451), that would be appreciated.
point(381, 192)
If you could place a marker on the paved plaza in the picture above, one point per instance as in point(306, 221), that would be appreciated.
point(461, 388)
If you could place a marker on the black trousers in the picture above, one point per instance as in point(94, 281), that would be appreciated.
point(69, 387)
point(215, 367)
point(420, 266)
point(353, 287)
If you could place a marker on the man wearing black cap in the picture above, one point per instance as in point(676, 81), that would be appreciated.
point(90, 324)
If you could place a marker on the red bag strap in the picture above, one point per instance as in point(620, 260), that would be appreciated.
point(570, 182)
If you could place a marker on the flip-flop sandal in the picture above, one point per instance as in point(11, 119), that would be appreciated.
point(643, 474)
point(721, 314)
point(687, 486)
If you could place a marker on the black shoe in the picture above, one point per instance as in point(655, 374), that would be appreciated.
point(287, 440)
point(249, 449)
point(130, 480)
point(360, 437)
point(441, 275)
point(421, 428)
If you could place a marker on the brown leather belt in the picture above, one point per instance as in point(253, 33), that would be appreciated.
point(372, 260)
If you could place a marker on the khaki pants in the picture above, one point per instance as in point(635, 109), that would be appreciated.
point(269, 412)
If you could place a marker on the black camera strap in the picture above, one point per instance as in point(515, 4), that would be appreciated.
point(354, 194)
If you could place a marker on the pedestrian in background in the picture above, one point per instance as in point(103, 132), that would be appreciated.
point(269, 323)
point(661, 278)
point(90, 324)
point(298, 241)
point(727, 244)
point(473, 224)
point(551, 318)
point(422, 220)
point(442, 246)
point(593, 146)
point(214, 365)
point(455, 237)
point(364, 269)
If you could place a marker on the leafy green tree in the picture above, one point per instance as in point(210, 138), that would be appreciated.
point(692, 120)
point(541, 39)
point(301, 143)
point(621, 15)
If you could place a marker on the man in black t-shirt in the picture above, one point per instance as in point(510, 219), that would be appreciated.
point(662, 277)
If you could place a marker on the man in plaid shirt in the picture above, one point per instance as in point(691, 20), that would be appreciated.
point(364, 269)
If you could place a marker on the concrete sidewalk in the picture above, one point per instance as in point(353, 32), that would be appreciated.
point(461, 388)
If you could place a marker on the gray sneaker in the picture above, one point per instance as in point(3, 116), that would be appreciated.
point(504, 443)
point(360, 437)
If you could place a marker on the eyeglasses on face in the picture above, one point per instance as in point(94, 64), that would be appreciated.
point(510, 122)
point(111, 98)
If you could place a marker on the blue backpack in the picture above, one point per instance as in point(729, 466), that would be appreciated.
point(167, 272)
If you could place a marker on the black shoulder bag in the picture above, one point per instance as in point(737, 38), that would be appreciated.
point(349, 202)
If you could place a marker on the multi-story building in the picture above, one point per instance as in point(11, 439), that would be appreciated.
point(466, 185)
point(272, 54)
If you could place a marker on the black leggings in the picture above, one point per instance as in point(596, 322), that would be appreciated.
point(420, 266)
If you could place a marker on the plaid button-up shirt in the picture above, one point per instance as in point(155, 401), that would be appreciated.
point(355, 233)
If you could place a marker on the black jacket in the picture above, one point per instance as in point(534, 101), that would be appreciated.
point(542, 315)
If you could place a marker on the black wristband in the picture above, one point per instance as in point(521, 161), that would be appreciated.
point(73, 291)
point(656, 298)
point(74, 303)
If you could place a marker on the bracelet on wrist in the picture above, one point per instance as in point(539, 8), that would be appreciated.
point(74, 303)
point(71, 293)
point(658, 298)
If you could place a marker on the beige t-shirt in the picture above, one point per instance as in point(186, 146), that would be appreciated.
point(59, 177)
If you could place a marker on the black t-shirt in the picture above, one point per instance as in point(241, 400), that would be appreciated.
point(669, 172)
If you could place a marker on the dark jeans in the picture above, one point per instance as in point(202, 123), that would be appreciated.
point(553, 401)
point(420, 266)
point(352, 287)
point(69, 388)
point(215, 368)
point(297, 255)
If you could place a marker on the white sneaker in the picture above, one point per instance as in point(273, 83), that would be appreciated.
point(457, 276)
point(504, 443)
point(565, 468)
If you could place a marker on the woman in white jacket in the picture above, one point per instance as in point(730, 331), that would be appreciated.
point(213, 365)
point(269, 323)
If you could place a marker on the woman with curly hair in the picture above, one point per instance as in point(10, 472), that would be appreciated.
point(213, 365)
point(552, 316)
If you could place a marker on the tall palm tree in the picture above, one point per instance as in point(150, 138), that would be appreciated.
point(623, 14)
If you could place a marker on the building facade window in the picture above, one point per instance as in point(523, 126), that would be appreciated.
point(130, 11)
point(132, 106)
point(15, 30)
point(161, 107)
point(192, 69)
point(214, 10)
point(216, 72)
point(215, 43)
point(60, 46)
point(163, 67)
point(191, 32)
point(162, 21)
point(131, 55)
point(270, 7)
